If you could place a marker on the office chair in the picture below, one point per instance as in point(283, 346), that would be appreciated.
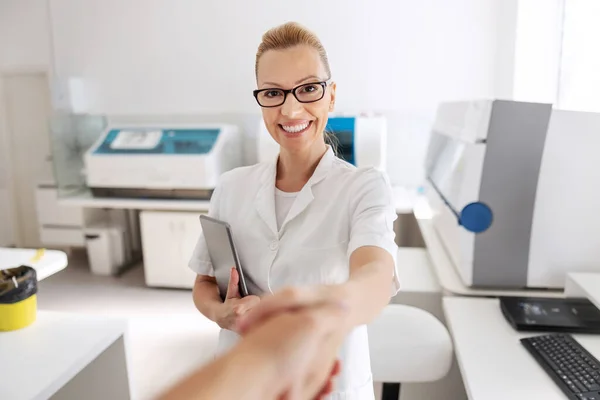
point(407, 345)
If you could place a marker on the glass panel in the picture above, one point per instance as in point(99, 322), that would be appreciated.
point(442, 165)
point(71, 136)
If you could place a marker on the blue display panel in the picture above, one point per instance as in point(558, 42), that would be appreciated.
point(158, 141)
point(344, 130)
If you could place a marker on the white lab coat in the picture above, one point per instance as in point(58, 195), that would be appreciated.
point(340, 209)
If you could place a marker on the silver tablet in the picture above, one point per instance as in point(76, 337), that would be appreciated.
point(223, 254)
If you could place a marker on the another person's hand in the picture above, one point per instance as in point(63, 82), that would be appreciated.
point(290, 299)
point(291, 356)
point(301, 346)
point(234, 305)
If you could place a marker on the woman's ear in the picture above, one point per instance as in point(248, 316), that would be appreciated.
point(332, 88)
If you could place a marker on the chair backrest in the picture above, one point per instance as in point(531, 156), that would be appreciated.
point(408, 344)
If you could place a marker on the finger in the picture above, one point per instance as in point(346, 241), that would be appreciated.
point(294, 392)
point(285, 300)
point(245, 304)
point(328, 387)
point(233, 290)
point(325, 391)
point(322, 314)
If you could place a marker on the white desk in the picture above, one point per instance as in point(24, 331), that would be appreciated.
point(87, 201)
point(404, 199)
point(167, 225)
point(66, 356)
point(449, 278)
point(414, 271)
point(494, 365)
point(584, 284)
point(45, 263)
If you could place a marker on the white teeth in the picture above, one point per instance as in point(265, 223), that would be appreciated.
point(295, 128)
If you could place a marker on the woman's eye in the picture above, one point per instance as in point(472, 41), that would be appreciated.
point(309, 88)
point(272, 93)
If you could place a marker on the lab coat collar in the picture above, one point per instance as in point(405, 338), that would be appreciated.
point(323, 168)
point(265, 198)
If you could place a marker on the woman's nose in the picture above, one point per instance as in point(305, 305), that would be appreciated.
point(291, 106)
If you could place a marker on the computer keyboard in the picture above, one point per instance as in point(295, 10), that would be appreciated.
point(574, 370)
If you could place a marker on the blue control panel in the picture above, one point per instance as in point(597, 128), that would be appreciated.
point(158, 141)
point(343, 128)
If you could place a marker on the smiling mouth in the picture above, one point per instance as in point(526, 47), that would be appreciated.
point(296, 130)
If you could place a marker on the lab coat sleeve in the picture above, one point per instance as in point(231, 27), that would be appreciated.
point(200, 260)
point(372, 217)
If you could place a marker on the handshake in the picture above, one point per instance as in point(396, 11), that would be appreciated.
point(288, 350)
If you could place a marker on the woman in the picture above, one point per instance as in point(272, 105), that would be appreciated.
point(306, 220)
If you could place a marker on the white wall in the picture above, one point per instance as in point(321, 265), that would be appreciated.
point(188, 56)
point(7, 233)
point(506, 42)
point(24, 45)
point(24, 34)
point(538, 50)
point(579, 87)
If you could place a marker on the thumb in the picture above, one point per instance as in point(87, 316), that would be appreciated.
point(247, 303)
point(233, 290)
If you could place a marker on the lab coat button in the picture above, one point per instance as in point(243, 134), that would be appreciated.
point(274, 245)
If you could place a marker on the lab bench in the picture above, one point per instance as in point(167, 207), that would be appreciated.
point(166, 230)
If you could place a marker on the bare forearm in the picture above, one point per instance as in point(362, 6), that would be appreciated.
point(367, 291)
point(206, 298)
point(238, 375)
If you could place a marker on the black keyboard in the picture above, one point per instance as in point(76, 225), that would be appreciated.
point(574, 370)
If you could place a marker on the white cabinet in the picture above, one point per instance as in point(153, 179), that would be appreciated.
point(168, 240)
point(61, 225)
point(58, 225)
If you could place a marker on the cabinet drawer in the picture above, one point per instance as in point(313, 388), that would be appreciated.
point(51, 213)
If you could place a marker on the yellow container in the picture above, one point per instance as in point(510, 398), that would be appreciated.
point(18, 315)
point(18, 298)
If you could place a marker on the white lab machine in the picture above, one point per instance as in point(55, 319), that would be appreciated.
point(162, 161)
point(361, 141)
point(515, 192)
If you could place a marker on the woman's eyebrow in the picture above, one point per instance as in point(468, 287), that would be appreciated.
point(307, 78)
point(274, 84)
point(270, 84)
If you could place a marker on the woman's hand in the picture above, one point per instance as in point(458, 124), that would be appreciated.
point(294, 299)
point(365, 293)
point(302, 348)
point(306, 301)
point(234, 305)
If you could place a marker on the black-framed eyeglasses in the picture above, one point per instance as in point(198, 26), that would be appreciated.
point(305, 93)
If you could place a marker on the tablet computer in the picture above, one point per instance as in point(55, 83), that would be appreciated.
point(223, 254)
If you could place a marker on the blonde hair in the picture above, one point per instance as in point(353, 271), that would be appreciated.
point(289, 35)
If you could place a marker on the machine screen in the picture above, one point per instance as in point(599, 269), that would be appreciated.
point(153, 141)
point(345, 145)
point(136, 140)
point(343, 129)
